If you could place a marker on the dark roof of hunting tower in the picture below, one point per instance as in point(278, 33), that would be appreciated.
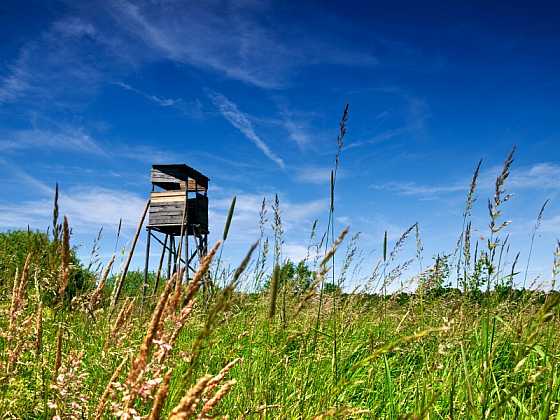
point(169, 176)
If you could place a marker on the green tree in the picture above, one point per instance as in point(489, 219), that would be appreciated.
point(296, 277)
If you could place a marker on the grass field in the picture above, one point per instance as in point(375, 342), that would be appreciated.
point(436, 356)
point(299, 345)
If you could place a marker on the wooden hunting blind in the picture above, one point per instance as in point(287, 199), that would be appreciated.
point(171, 208)
point(178, 212)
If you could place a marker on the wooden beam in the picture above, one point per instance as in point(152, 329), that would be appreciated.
point(146, 267)
point(178, 172)
point(160, 262)
point(118, 287)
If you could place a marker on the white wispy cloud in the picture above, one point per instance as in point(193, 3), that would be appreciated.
point(22, 176)
point(379, 138)
point(229, 38)
point(296, 252)
point(315, 175)
point(542, 176)
point(77, 139)
point(545, 175)
point(57, 64)
point(87, 207)
point(16, 80)
point(297, 132)
point(164, 102)
point(191, 109)
point(296, 123)
point(296, 216)
point(240, 121)
point(73, 26)
point(412, 188)
point(65, 138)
point(413, 115)
point(551, 225)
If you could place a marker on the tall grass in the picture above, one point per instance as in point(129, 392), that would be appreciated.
point(282, 350)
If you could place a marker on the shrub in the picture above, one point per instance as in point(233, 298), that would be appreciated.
point(45, 264)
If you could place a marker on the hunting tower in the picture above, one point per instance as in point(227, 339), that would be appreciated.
point(178, 216)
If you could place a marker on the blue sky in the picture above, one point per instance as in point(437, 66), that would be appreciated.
point(250, 94)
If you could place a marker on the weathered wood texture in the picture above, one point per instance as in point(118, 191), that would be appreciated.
point(168, 196)
point(175, 177)
point(168, 210)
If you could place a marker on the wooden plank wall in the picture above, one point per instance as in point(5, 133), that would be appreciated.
point(167, 209)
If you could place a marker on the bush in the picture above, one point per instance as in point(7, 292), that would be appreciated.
point(45, 264)
point(132, 287)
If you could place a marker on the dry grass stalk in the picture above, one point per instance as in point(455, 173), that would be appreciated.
point(160, 397)
point(535, 229)
point(15, 289)
point(228, 218)
point(122, 319)
point(222, 303)
point(39, 328)
point(274, 280)
point(179, 324)
point(56, 226)
point(18, 329)
point(18, 290)
point(58, 356)
point(196, 281)
point(467, 245)
point(65, 260)
point(68, 400)
point(400, 243)
point(108, 389)
point(323, 270)
point(96, 295)
point(22, 286)
point(471, 197)
point(140, 362)
point(167, 339)
point(556, 265)
point(221, 375)
point(499, 197)
point(341, 134)
point(244, 263)
point(213, 402)
point(118, 286)
point(188, 404)
point(144, 366)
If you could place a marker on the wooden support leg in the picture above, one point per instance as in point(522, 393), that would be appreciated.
point(169, 257)
point(174, 256)
point(187, 257)
point(158, 275)
point(146, 266)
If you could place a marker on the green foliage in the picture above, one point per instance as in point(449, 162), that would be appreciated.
point(487, 351)
point(448, 363)
point(296, 277)
point(436, 278)
point(45, 264)
point(331, 288)
point(440, 354)
point(132, 287)
point(14, 247)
